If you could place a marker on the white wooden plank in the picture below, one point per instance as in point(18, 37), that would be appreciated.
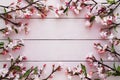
point(59, 29)
point(56, 50)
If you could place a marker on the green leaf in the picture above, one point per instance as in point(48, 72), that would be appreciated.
point(115, 29)
point(16, 31)
point(10, 40)
point(96, 79)
point(112, 48)
point(5, 10)
point(27, 73)
point(111, 1)
point(92, 18)
point(32, 0)
point(109, 73)
point(101, 60)
point(118, 68)
point(114, 66)
point(35, 70)
point(84, 70)
point(1, 44)
point(18, 68)
point(65, 10)
point(115, 74)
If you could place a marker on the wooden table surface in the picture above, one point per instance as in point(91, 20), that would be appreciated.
point(66, 41)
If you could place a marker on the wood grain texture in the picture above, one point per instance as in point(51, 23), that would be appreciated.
point(63, 41)
point(39, 50)
point(59, 29)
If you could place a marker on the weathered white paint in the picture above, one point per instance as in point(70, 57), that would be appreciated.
point(57, 50)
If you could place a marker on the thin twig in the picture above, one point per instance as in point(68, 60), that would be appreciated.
point(17, 24)
point(53, 71)
point(20, 8)
point(4, 6)
point(35, 7)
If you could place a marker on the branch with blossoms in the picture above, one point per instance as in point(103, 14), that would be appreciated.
point(14, 70)
point(17, 10)
point(11, 45)
point(80, 71)
point(18, 71)
point(109, 49)
point(9, 16)
point(102, 69)
point(40, 7)
point(104, 14)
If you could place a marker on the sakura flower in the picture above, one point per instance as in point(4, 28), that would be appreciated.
point(76, 11)
point(59, 10)
point(11, 45)
point(88, 15)
point(18, 14)
point(22, 27)
point(82, 76)
point(103, 35)
point(20, 65)
point(98, 19)
point(111, 37)
point(15, 5)
point(95, 64)
point(17, 76)
point(74, 0)
point(36, 77)
point(100, 49)
point(89, 76)
point(3, 71)
point(11, 75)
point(59, 13)
point(10, 57)
point(69, 77)
point(19, 0)
point(22, 58)
point(90, 60)
point(7, 30)
point(110, 57)
point(9, 27)
point(108, 20)
point(77, 7)
point(102, 76)
point(87, 23)
point(27, 13)
point(4, 52)
point(100, 70)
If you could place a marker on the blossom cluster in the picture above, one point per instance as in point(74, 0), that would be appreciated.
point(12, 45)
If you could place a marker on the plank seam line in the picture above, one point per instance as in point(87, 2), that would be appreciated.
point(59, 39)
point(54, 18)
point(57, 61)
